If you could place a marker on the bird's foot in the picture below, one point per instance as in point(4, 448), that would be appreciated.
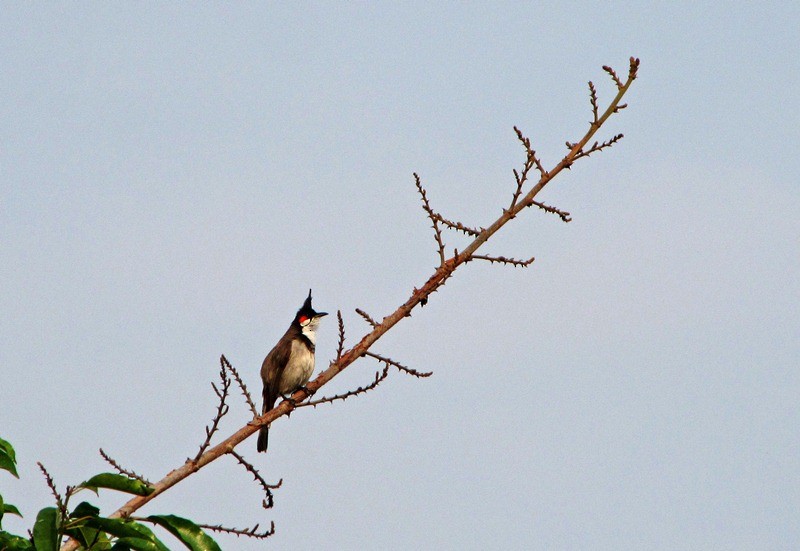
point(291, 401)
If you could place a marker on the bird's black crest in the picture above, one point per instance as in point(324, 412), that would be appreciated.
point(307, 303)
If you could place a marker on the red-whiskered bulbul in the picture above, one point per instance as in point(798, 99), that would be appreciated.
point(290, 364)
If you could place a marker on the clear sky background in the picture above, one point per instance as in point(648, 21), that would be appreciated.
point(173, 180)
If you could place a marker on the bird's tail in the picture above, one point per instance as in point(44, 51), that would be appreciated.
point(263, 437)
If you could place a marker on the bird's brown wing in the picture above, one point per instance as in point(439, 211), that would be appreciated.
point(271, 373)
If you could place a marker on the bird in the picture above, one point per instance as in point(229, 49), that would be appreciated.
point(290, 364)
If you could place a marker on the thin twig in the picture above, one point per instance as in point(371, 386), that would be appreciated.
point(599, 146)
point(52, 485)
point(367, 317)
point(248, 532)
point(120, 470)
point(247, 396)
point(531, 154)
point(340, 347)
point(503, 260)
point(264, 484)
point(401, 367)
point(222, 409)
point(267, 487)
point(458, 226)
point(613, 75)
point(379, 378)
point(437, 232)
point(531, 160)
point(593, 101)
point(564, 215)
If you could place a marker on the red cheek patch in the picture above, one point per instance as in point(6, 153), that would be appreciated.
point(302, 319)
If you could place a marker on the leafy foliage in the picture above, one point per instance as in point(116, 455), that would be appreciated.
point(85, 525)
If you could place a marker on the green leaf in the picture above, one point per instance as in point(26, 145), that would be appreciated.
point(85, 509)
point(127, 530)
point(10, 509)
point(125, 544)
point(45, 530)
point(7, 461)
point(119, 482)
point(86, 535)
point(10, 542)
point(6, 446)
point(187, 531)
point(89, 538)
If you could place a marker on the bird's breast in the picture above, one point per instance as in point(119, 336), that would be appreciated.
point(299, 368)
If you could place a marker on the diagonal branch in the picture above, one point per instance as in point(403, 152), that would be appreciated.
point(418, 296)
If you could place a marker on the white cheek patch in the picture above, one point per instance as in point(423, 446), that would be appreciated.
point(310, 331)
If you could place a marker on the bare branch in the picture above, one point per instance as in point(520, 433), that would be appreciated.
point(503, 260)
point(367, 317)
point(419, 296)
point(247, 396)
point(437, 232)
point(379, 378)
point(248, 532)
point(401, 367)
point(120, 470)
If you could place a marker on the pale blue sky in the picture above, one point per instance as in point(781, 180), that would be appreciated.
point(173, 179)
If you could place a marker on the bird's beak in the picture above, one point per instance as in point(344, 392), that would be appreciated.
point(320, 314)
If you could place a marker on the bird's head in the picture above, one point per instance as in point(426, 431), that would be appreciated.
point(308, 319)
